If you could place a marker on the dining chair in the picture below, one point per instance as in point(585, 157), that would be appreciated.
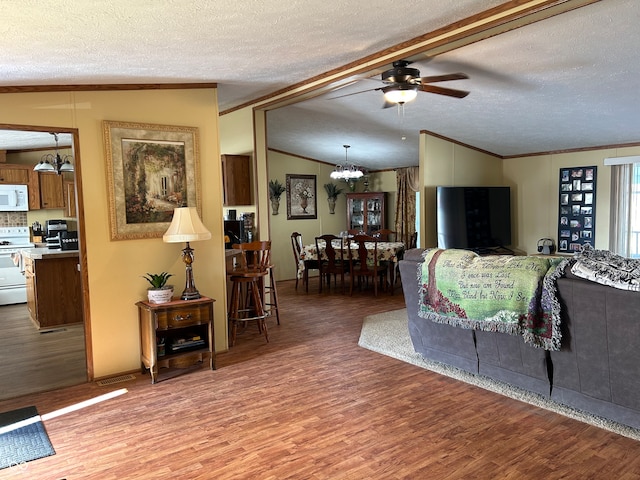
point(364, 264)
point(388, 235)
point(307, 264)
point(385, 235)
point(247, 302)
point(334, 264)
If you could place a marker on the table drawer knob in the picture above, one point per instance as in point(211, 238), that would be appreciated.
point(179, 318)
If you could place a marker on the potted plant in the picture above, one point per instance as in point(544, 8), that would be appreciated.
point(332, 194)
point(159, 292)
point(275, 190)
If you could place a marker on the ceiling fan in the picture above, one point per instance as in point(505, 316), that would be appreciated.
point(403, 84)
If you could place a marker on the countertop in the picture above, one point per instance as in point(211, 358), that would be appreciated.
point(44, 253)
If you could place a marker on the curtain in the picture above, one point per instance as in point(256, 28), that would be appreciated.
point(620, 204)
point(408, 182)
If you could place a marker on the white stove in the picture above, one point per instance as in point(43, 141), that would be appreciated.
point(13, 285)
point(15, 237)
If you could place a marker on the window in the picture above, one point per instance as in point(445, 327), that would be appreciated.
point(624, 229)
point(634, 243)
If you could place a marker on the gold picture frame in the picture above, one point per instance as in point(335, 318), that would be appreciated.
point(151, 169)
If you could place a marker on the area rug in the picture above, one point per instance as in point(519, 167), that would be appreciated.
point(23, 437)
point(388, 333)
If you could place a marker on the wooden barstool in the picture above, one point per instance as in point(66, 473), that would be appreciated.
point(272, 304)
point(248, 288)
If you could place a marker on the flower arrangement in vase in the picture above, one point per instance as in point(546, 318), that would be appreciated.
point(304, 192)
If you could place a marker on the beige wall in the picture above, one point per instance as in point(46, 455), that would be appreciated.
point(537, 182)
point(115, 267)
point(446, 163)
point(534, 182)
point(236, 138)
point(236, 132)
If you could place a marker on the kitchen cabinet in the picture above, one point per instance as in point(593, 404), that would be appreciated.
point(366, 211)
point(69, 199)
point(176, 334)
point(51, 190)
point(237, 180)
point(54, 291)
point(14, 174)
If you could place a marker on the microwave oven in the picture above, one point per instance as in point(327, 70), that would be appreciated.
point(14, 198)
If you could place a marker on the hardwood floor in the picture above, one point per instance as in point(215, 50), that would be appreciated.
point(311, 404)
point(34, 361)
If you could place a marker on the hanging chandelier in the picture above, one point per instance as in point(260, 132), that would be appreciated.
point(55, 163)
point(347, 171)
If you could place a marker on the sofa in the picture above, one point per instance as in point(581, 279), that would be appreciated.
point(594, 370)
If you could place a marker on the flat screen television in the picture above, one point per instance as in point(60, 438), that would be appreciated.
point(474, 218)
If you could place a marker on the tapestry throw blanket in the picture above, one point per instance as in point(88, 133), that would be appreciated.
point(499, 293)
point(607, 268)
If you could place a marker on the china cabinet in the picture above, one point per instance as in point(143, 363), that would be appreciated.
point(365, 211)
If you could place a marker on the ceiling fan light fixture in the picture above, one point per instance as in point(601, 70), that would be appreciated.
point(400, 93)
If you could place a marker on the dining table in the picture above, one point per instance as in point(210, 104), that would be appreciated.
point(390, 252)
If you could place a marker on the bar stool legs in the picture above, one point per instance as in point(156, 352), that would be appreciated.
point(272, 304)
point(250, 308)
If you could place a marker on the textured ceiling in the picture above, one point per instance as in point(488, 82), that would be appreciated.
point(565, 82)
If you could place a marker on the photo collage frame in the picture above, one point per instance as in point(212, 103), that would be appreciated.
point(577, 208)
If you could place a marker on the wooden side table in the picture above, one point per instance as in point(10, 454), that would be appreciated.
point(177, 334)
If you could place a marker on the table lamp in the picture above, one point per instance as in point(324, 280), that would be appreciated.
point(186, 226)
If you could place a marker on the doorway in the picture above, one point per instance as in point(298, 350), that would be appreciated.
point(48, 358)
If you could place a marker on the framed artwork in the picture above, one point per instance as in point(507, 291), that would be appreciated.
point(151, 169)
point(301, 197)
point(577, 208)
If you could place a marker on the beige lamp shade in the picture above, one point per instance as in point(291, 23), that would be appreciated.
point(186, 226)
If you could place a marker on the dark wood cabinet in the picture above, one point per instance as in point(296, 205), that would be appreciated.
point(237, 180)
point(176, 334)
point(54, 291)
point(366, 211)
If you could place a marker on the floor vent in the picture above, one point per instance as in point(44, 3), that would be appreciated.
point(111, 381)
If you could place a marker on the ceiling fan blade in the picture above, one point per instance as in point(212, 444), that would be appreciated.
point(354, 93)
point(450, 92)
point(444, 78)
point(388, 104)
